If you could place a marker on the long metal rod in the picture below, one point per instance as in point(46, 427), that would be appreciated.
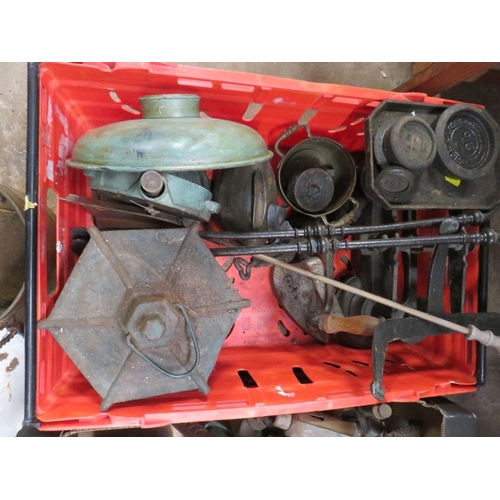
point(482, 294)
point(313, 246)
point(421, 241)
point(473, 218)
point(367, 295)
point(31, 244)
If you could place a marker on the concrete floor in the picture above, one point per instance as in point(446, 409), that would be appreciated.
point(13, 125)
point(376, 75)
point(485, 403)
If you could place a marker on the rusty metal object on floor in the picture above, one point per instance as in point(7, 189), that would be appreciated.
point(433, 417)
point(367, 421)
point(327, 421)
point(406, 431)
point(283, 422)
point(257, 427)
point(320, 424)
point(192, 429)
point(219, 429)
point(382, 411)
point(145, 313)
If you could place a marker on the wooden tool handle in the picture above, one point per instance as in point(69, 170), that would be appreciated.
point(357, 325)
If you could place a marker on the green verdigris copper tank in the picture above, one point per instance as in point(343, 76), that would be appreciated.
point(162, 158)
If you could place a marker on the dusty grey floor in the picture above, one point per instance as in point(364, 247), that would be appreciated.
point(13, 125)
point(485, 402)
point(376, 75)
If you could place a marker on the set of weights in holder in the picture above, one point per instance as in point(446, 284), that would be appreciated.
point(421, 156)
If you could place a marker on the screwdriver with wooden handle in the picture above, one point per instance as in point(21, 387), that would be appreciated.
point(365, 325)
point(356, 325)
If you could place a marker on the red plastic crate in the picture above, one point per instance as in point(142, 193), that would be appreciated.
point(75, 98)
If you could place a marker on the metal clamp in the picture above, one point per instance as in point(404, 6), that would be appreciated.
point(414, 330)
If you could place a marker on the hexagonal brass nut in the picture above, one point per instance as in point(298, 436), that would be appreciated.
point(152, 322)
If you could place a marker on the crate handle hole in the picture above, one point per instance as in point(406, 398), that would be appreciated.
point(360, 362)
point(338, 129)
point(52, 246)
point(247, 379)
point(331, 364)
point(359, 120)
point(283, 329)
point(301, 376)
point(252, 111)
